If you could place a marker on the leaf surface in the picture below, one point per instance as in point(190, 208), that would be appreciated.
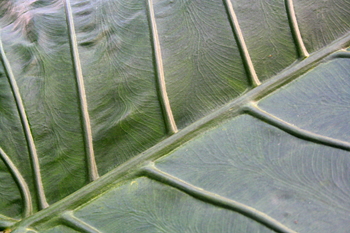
point(162, 99)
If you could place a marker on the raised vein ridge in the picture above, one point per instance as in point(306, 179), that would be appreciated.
point(6, 222)
point(302, 52)
point(21, 183)
point(162, 94)
point(26, 128)
point(84, 114)
point(70, 220)
point(248, 64)
point(228, 111)
point(339, 54)
point(154, 173)
point(253, 110)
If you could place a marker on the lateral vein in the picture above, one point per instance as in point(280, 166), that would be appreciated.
point(70, 220)
point(26, 128)
point(21, 183)
point(86, 126)
point(152, 172)
point(161, 86)
point(253, 110)
point(302, 52)
point(248, 64)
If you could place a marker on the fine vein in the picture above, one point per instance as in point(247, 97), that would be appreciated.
point(21, 183)
point(70, 220)
point(255, 111)
point(154, 173)
point(248, 64)
point(26, 128)
point(162, 94)
point(302, 52)
point(91, 163)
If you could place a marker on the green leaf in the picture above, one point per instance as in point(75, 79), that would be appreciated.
point(149, 116)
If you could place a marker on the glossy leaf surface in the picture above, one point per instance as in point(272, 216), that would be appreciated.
point(162, 99)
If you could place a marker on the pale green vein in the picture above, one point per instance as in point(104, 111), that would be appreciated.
point(23, 230)
point(6, 222)
point(154, 173)
point(248, 64)
point(302, 52)
point(161, 87)
point(21, 183)
point(340, 54)
point(255, 111)
point(26, 128)
point(70, 220)
point(86, 126)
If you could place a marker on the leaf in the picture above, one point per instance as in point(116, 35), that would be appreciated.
point(158, 104)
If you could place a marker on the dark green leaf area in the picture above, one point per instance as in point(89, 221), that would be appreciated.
point(319, 101)
point(11, 131)
point(14, 145)
point(145, 205)
point(11, 201)
point(202, 64)
point(322, 22)
point(267, 33)
point(254, 163)
point(119, 74)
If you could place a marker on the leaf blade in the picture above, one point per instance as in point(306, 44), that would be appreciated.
point(117, 60)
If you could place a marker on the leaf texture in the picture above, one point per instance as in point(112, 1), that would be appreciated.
point(322, 22)
point(98, 88)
